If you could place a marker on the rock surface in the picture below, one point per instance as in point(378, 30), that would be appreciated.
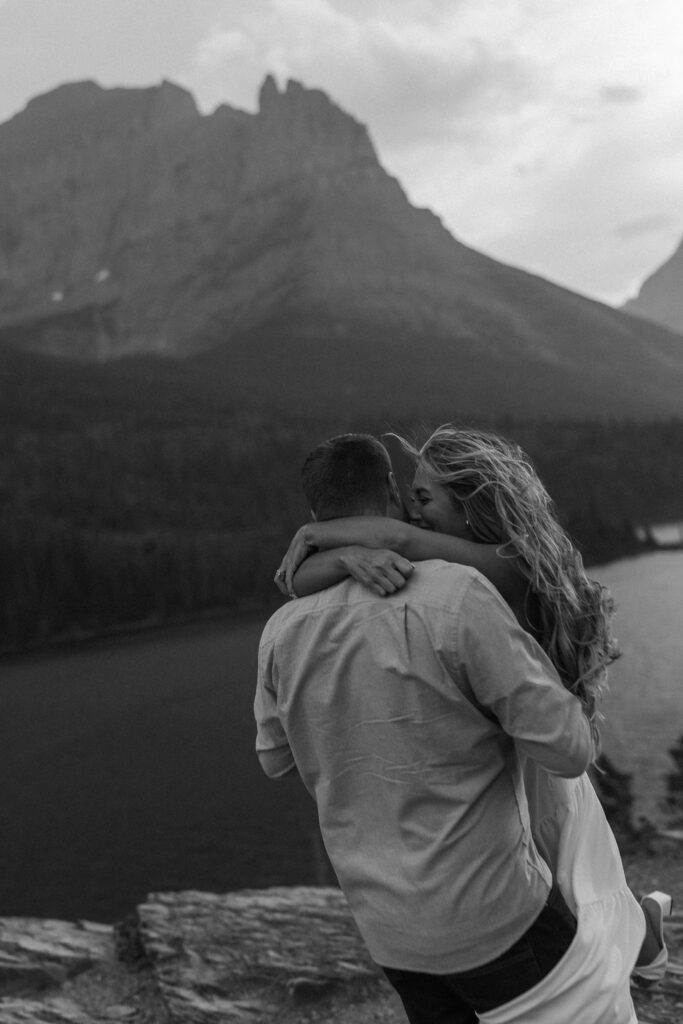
point(128, 220)
point(58, 972)
point(276, 954)
point(290, 955)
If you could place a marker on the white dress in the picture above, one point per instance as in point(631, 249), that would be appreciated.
point(590, 984)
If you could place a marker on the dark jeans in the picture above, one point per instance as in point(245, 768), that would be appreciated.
point(458, 998)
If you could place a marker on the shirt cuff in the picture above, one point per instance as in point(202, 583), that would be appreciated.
point(276, 762)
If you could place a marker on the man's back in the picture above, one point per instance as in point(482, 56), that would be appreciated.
point(398, 712)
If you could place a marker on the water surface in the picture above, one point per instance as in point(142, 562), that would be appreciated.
point(644, 707)
point(128, 765)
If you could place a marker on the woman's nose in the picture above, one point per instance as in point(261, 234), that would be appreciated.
point(413, 510)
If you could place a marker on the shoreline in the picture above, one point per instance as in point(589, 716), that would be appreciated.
point(81, 639)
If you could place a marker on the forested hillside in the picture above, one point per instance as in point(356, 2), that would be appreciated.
point(124, 498)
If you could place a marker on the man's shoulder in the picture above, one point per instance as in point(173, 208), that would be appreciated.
point(434, 584)
point(301, 608)
point(436, 574)
point(450, 585)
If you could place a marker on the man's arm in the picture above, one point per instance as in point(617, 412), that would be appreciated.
point(272, 746)
point(513, 679)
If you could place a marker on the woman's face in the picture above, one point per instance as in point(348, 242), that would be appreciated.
point(434, 508)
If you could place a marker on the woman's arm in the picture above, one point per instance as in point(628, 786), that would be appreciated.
point(367, 531)
point(404, 539)
point(382, 571)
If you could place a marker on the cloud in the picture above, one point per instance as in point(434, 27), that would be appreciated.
point(620, 94)
point(411, 78)
point(547, 134)
point(222, 45)
point(531, 128)
point(647, 225)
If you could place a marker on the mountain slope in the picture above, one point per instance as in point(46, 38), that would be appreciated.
point(660, 298)
point(275, 254)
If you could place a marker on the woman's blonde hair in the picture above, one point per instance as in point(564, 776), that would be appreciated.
point(506, 504)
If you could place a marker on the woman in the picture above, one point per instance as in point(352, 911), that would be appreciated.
point(477, 500)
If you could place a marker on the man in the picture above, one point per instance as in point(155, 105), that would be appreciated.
point(406, 717)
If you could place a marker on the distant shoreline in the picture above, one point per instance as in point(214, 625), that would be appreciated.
point(81, 639)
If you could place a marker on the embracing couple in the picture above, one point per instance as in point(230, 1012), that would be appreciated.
point(437, 687)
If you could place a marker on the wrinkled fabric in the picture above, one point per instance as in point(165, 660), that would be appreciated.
point(406, 716)
point(590, 985)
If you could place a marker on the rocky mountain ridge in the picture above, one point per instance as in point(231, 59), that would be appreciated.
point(276, 248)
point(129, 208)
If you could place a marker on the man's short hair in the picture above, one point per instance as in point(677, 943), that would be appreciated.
point(347, 475)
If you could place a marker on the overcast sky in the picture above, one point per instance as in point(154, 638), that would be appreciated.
point(547, 133)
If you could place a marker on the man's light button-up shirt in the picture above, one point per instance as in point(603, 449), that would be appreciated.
point(407, 718)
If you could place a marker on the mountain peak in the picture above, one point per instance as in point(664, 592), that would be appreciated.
point(171, 101)
point(71, 97)
point(131, 224)
point(269, 94)
point(297, 98)
point(158, 103)
point(310, 127)
point(660, 298)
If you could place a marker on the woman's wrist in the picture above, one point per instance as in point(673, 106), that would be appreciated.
point(403, 531)
point(344, 555)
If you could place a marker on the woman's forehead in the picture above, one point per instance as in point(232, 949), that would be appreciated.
point(422, 479)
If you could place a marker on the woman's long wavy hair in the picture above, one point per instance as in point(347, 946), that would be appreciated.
point(506, 504)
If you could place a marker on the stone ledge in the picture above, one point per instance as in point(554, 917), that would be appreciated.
point(285, 954)
point(290, 955)
point(61, 972)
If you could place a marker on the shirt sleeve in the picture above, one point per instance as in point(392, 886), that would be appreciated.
point(513, 679)
point(272, 746)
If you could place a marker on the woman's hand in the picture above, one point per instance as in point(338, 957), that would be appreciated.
point(380, 570)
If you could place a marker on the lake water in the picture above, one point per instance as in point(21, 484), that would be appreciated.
point(128, 767)
point(644, 707)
